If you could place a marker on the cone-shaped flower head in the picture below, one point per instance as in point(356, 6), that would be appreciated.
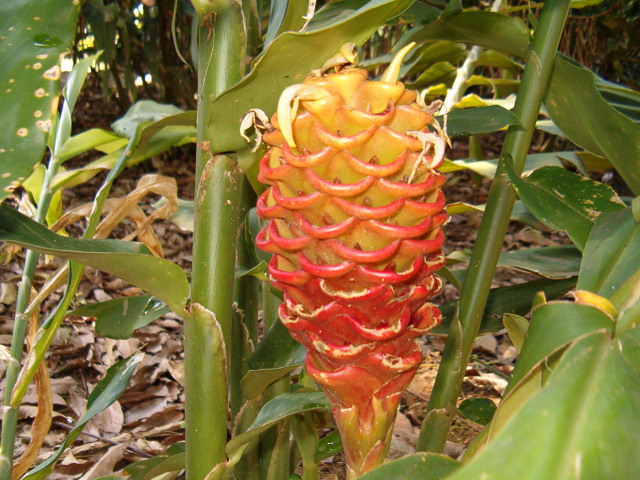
point(355, 212)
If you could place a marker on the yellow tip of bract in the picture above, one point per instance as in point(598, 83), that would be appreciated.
point(585, 297)
point(287, 111)
point(392, 72)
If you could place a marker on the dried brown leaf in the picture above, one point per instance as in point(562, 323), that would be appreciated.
point(105, 463)
point(127, 207)
point(42, 420)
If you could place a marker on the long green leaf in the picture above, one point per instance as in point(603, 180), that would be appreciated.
point(33, 35)
point(103, 395)
point(423, 466)
point(127, 260)
point(553, 326)
point(490, 30)
point(611, 254)
point(565, 201)
point(576, 106)
point(474, 121)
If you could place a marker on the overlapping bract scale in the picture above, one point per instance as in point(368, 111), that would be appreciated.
point(355, 212)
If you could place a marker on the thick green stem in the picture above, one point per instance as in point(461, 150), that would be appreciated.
point(217, 216)
point(482, 264)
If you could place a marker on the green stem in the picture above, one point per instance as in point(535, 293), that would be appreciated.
point(482, 264)
point(244, 331)
point(10, 416)
point(217, 216)
point(244, 335)
point(275, 441)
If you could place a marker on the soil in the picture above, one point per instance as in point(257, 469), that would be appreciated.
point(149, 416)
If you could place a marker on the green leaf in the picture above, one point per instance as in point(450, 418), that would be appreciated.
point(479, 410)
point(103, 395)
point(474, 121)
point(611, 254)
point(276, 410)
point(490, 30)
point(565, 201)
point(94, 138)
point(259, 271)
point(490, 58)
point(330, 445)
point(33, 36)
point(487, 168)
point(286, 16)
point(287, 61)
point(423, 466)
point(553, 326)
point(550, 262)
point(167, 137)
point(439, 72)
point(127, 260)
point(513, 299)
point(418, 13)
point(140, 112)
point(584, 3)
point(276, 355)
point(145, 469)
point(517, 327)
point(120, 317)
point(577, 107)
point(565, 429)
point(33, 185)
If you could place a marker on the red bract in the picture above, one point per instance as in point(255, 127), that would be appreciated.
point(355, 212)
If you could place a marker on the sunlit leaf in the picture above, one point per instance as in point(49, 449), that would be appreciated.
point(145, 469)
point(33, 35)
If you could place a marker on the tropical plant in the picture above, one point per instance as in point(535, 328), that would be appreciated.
point(333, 135)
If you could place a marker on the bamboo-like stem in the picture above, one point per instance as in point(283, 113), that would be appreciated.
point(217, 215)
point(482, 264)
